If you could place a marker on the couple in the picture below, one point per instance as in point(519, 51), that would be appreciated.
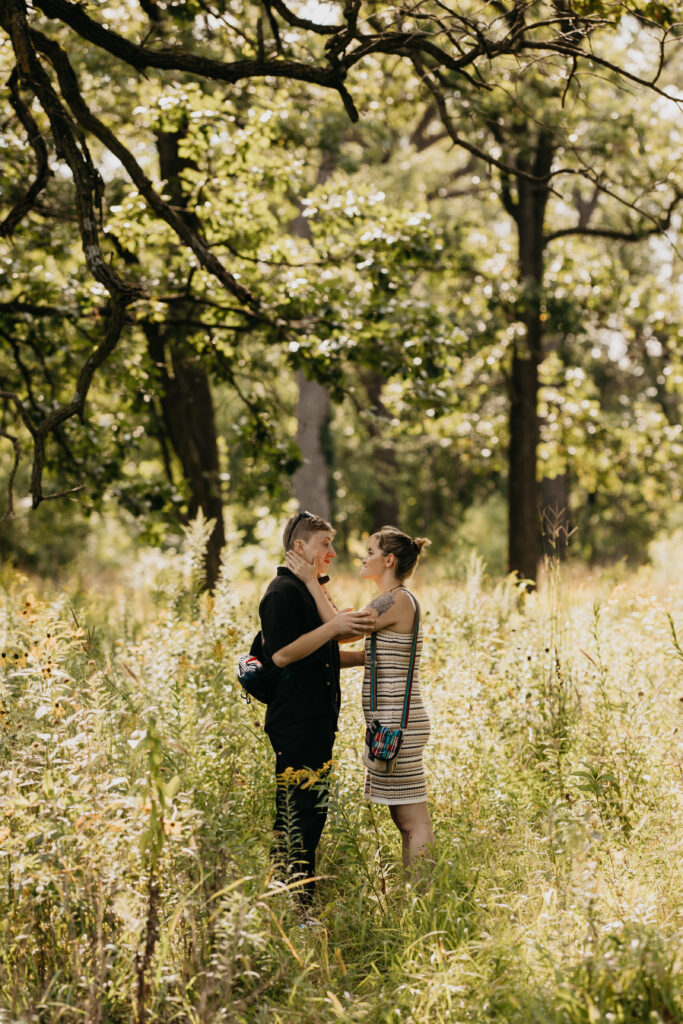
point(302, 630)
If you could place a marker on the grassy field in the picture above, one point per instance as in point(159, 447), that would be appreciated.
point(136, 793)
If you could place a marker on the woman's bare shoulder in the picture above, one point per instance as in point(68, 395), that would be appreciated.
point(389, 599)
point(394, 610)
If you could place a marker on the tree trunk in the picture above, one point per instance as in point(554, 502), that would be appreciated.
point(383, 509)
point(523, 525)
point(312, 479)
point(523, 504)
point(186, 399)
point(188, 416)
point(312, 482)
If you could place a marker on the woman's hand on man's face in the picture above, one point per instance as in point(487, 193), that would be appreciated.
point(301, 567)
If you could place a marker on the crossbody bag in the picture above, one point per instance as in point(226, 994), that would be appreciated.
point(382, 744)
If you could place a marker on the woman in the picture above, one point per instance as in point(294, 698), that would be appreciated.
point(390, 560)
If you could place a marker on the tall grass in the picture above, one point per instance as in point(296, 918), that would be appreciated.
point(136, 793)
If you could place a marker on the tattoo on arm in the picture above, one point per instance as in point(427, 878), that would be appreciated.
point(383, 603)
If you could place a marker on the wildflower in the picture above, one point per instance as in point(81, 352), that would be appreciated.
point(304, 777)
point(293, 776)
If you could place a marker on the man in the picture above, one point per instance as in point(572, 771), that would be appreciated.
point(301, 719)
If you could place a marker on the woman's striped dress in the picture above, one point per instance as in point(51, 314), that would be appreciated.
point(407, 784)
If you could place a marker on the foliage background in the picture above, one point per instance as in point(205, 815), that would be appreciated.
point(384, 261)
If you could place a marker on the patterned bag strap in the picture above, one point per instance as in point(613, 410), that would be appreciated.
point(373, 695)
point(411, 669)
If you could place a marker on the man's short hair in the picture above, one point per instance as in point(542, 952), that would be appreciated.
point(302, 526)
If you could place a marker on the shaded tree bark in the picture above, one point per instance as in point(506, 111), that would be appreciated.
point(312, 479)
point(186, 398)
point(188, 417)
point(528, 212)
point(384, 508)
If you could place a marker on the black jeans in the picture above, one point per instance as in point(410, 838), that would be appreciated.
point(300, 807)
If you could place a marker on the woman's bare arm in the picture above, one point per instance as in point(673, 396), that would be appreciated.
point(327, 609)
point(306, 572)
point(348, 623)
point(393, 608)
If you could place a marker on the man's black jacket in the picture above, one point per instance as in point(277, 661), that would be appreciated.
point(309, 692)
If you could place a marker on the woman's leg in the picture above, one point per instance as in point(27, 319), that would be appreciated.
point(415, 825)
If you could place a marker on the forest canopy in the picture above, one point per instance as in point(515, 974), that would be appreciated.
point(398, 261)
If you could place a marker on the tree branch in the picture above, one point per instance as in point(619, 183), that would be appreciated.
point(659, 227)
point(77, 404)
point(412, 44)
point(167, 212)
point(419, 139)
point(175, 59)
point(35, 138)
point(35, 309)
point(576, 54)
point(274, 27)
point(440, 101)
point(10, 396)
point(87, 186)
point(9, 511)
point(297, 22)
point(87, 181)
point(23, 370)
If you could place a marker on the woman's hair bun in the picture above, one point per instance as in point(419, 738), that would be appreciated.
point(406, 551)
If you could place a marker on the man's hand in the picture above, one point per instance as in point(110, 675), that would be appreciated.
point(372, 613)
point(345, 625)
point(369, 618)
point(350, 623)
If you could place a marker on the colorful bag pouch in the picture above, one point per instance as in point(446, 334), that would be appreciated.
point(382, 744)
point(258, 675)
point(386, 743)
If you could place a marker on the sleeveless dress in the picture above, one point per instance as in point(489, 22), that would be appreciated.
point(407, 784)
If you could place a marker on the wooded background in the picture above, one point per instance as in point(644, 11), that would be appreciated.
point(412, 263)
